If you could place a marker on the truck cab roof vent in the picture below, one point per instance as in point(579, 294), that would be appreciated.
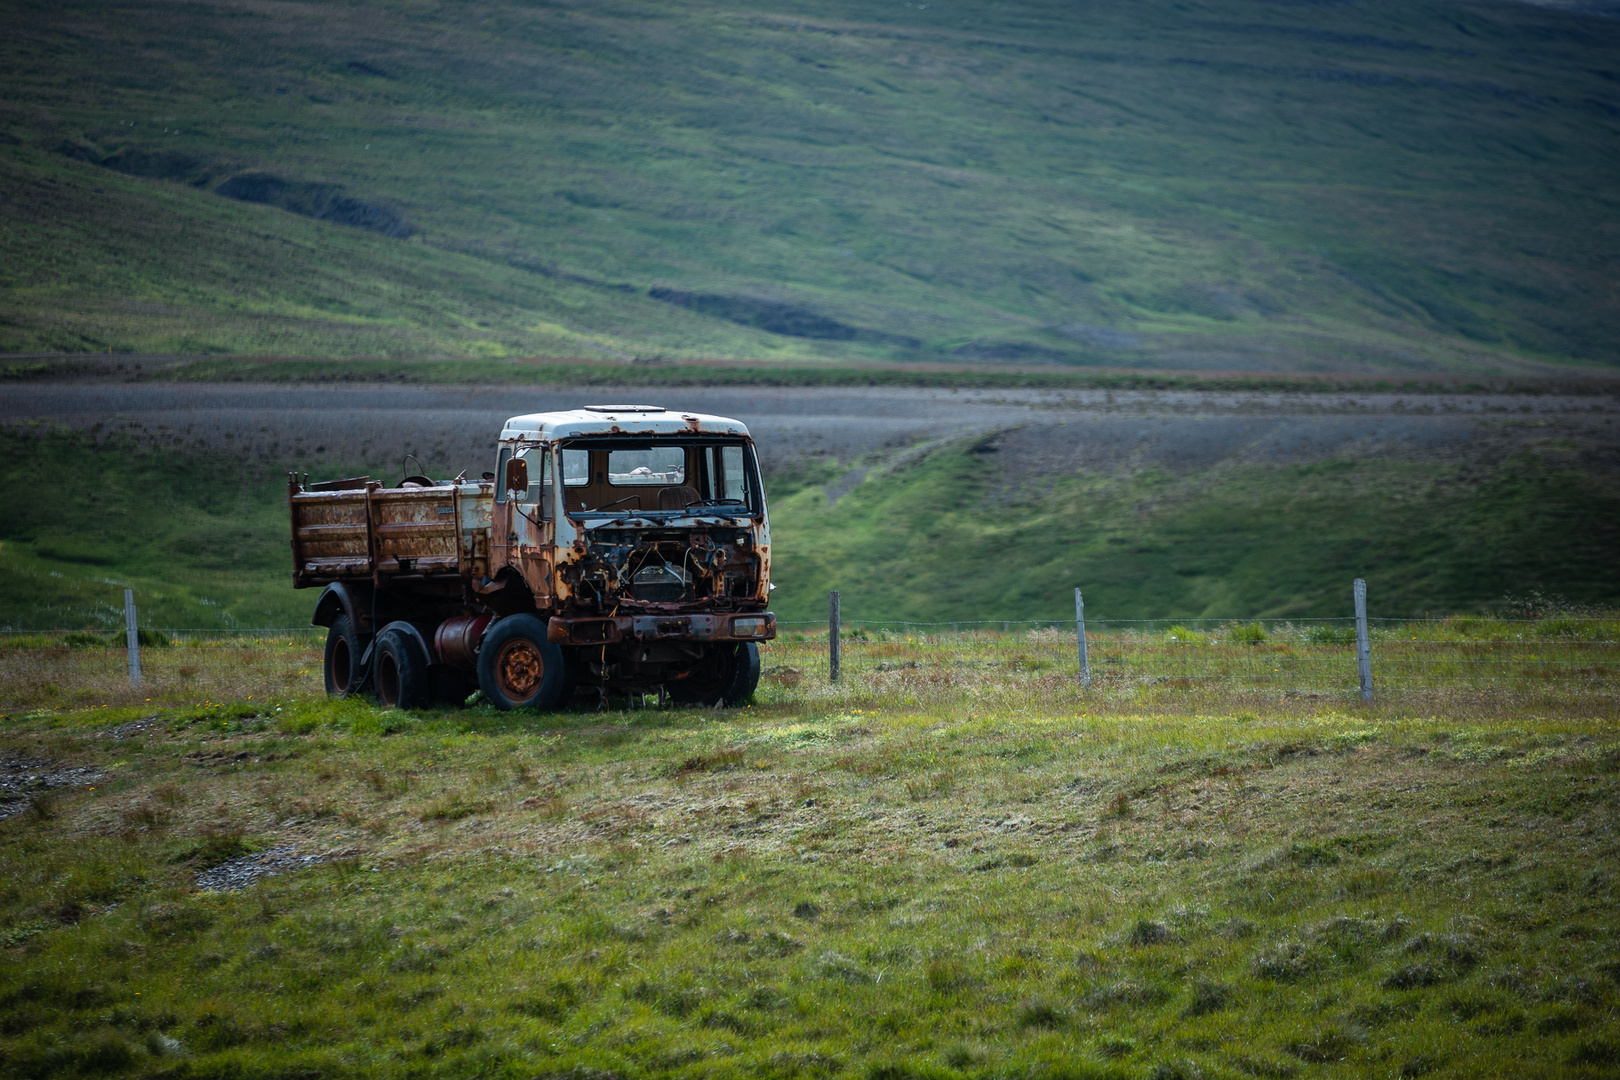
point(625, 408)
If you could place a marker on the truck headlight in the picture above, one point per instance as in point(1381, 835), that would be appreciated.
point(753, 627)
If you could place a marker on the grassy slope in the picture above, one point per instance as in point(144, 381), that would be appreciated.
point(1011, 882)
point(941, 540)
point(937, 541)
point(201, 537)
point(1390, 185)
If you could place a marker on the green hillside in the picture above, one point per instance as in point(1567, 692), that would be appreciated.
point(942, 539)
point(1147, 183)
point(201, 537)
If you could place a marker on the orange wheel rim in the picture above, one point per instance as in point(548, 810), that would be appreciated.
point(519, 668)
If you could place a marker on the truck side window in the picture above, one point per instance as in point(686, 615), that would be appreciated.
point(576, 468)
point(500, 473)
point(734, 480)
point(540, 482)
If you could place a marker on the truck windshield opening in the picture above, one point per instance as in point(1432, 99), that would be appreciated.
point(660, 477)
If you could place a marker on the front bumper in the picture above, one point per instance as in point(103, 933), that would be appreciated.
point(606, 630)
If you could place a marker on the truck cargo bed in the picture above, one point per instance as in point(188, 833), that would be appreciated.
point(378, 533)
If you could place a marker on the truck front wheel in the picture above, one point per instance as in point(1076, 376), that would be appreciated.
point(519, 669)
point(728, 676)
point(344, 647)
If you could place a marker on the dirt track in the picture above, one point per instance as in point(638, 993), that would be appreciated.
point(1035, 432)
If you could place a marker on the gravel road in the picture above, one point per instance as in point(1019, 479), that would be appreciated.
point(1035, 431)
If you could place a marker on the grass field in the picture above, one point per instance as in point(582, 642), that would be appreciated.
point(1557, 659)
point(900, 876)
point(1236, 186)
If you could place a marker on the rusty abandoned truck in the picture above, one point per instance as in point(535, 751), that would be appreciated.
point(617, 547)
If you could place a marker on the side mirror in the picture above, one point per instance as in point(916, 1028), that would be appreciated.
point(517, 475)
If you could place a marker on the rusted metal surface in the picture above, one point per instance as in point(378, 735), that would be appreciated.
point(647, 568)
point(611, 629)
point(331, 535)
point(666, 568)
point(415, 531)
point(456, 640)
point(389, 533)
point(519, 669)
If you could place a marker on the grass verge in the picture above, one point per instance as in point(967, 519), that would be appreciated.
point(967, 880)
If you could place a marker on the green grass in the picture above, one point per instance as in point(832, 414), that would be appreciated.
point(1556, 657)
point(939, 537)
point(201, 537)
point(1401, 187)
point(980, 881)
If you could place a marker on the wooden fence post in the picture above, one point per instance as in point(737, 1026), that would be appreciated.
point(1363, 646)
point(832, 637)
point(132, 638)
point(1080, 635)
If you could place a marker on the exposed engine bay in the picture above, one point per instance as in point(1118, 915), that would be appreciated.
point(665, 569)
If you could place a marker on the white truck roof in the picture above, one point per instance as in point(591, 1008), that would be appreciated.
point(616, 419)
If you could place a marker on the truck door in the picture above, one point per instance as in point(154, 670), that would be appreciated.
point(502, 538)
point(532, 523)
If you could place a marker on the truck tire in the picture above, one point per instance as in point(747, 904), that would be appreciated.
point(519, 669)
point(401, 672)
point(344, 648)
point(727, 677)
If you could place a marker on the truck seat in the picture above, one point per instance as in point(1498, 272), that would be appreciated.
point(676, 498)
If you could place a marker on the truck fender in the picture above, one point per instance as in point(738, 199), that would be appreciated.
point(338, 599)
point(410, 630)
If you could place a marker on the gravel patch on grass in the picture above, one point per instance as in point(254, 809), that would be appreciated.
point(133, 728)
point(22, 777)
point(245, 870)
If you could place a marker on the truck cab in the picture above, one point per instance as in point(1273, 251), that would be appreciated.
point(614, 547)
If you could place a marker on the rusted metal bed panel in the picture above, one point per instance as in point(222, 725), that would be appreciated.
point(373, 531)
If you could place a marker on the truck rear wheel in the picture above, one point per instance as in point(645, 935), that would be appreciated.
point(344, 647)
point(728, 676)
point(401, 672)
point(519, 669)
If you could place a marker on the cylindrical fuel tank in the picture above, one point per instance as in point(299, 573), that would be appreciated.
point(457, 640)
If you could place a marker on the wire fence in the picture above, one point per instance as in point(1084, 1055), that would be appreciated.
point(80, 668)
point(1315, 656)
point(174, 647)
point(1312, 657)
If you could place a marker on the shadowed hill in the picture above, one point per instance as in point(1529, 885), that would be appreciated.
point(1251, 185)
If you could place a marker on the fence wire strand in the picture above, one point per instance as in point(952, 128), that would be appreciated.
point(1314, 656)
